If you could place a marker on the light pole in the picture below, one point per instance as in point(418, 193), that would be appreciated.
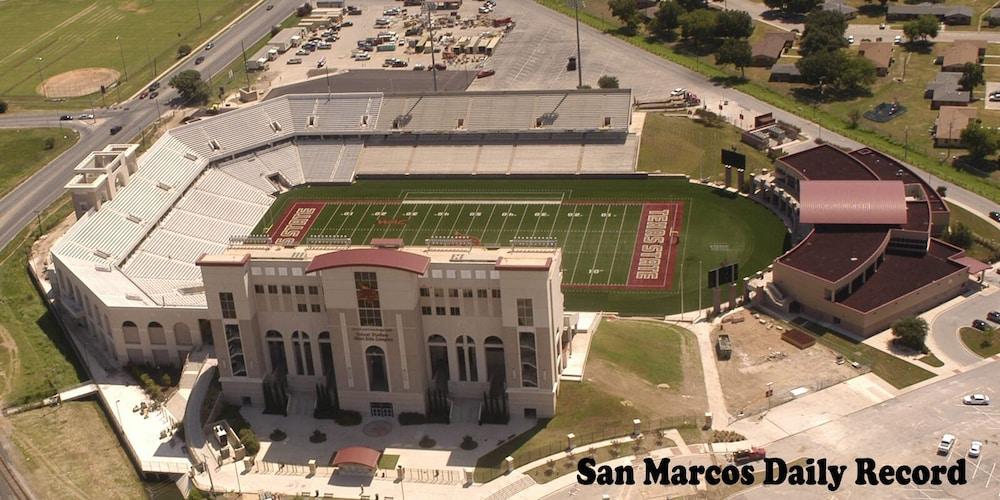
point(41, 76)
point(121, 51)
point(430, 6)
point(579, 60)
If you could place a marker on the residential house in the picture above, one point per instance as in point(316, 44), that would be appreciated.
point(950, 123)
point(958, 54)
point(768, 50)
point(945, 90)
point(879, 53)
point(848, 11)
point(948, 14)
point(785, 73)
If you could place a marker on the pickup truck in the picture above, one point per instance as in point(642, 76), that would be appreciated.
point(947, 442)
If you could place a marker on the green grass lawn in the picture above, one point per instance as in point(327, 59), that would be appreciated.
point(717, 226)
point(896, 371)
point(73, 34)
point(24, 152)
point(650, 350)
point(932, 360)
point(41, 360)
point(981, 228)
point(680, 145)
point(984, 344)
point(831, 116)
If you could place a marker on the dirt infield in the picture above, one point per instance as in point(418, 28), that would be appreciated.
point(78, 82)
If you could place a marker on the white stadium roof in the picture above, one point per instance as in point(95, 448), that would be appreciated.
point(206, 181)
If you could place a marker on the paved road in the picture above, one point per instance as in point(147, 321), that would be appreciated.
point(944, 328)
point(905, 430)
point(533, 56)
point(19, 207)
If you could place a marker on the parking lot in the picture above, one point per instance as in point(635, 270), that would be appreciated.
point(341, 53)
point(906, 430)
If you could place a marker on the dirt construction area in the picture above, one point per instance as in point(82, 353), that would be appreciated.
point(78, 82)
point(760, 357)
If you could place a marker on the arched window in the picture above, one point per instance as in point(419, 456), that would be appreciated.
point(529, 361)
point(155, 332)
point(131, 332)
point(276, 351)
point(182, 334)
point(378, 377)
point(437, 350)
point(303, 354)
point(325, 354)
point(496, 364)
point(465, 348)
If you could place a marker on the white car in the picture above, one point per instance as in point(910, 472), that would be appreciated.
point(364, 56)
point(974, 448)
point(898, 40)
point(976, 399)
point(947, 442)
point(850, 38)
point(678, 91)
point(85, 116)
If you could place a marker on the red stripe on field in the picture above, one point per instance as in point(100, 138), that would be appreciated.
point(655, 269)
point(295, 222)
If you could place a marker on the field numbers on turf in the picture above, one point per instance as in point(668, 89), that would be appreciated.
point(595, 271)
point(347, 214)
point(442, 214)
point(607, 214)
point(475, 214)
point(574, 214)
point(541, 214)
point(508, 214)
point(380, 214)
point(412, 214)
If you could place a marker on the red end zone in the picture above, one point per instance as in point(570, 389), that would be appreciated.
point(295, 222)
point(655, 251)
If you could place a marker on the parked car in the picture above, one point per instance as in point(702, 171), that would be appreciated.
point(294, 60)
point(199, 60)
point(993, 316)
point(881, 26)
point(321, 63)
point(209, 45)
point(897, 40)
point(153, 86)
point(143, 94)
point(302, 52)
point(440, 67)
point(116, 129)
point(419, 67)
point(347, 24)
point(153, 94)
point(995, 97)
point(947, 442)
point(979, 324)
point(483, 73)
point(352, 11)
point(269, 7)
point(363, 56)
point(850, 38)
point(976, 400)
point(66, 117)
point(975, 448)
point(678, 91)
point(995, 215)
point(571, 63)
point(85, 116)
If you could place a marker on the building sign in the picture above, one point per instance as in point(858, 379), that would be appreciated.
point(373, 335)
point(295, 223)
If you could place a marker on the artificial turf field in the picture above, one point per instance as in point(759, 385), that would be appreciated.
point(594, 221)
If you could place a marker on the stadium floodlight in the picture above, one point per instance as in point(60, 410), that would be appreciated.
point(577, 5)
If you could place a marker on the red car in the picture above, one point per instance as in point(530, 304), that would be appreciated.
point(485, 72)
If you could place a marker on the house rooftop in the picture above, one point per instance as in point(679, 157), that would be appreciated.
point(951, 121)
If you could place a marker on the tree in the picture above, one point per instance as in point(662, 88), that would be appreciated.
point(824, 31)
point(607, 82)
point(911, 332)
point(979, 140)
point(50, 143)
point(734, 24)
point(819, 67)
point(921, 28)
point(699, 25)
point(627, 11)
point(840, 70)
point(972, 76)
point(960, 235)
point(183, 50)
point(736, 52)
point(666, 19)
point(853, 118)
point(304, 10)
point(3, 107)
point(190, 86)
point(855, 74)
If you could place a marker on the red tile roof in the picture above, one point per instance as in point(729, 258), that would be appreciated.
point(356, 455)
point(852, 202)
point(371, 257)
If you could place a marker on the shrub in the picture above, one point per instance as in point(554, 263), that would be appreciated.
point(304, 10)
point(317, 437)
point(942, 191)
point(278, 435)
point(607, 82)
point(249, 440)
point(165, 380)
point(412, 418)
point(275, 29)
point(195, 494)
point(50, 143)
point(347, 418)
point(183, 50)
point(3, 107)
point(427, 442)
point(468, 443)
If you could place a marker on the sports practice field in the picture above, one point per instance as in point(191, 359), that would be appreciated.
point(626, 244)
point(43, 40)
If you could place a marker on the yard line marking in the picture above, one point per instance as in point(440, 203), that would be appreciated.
point(395, 216)
point(505, 218)
point(597, 252)
point(472, 221)
point(341, 228)
point(555, 218)
point(372, 226)
point(489, 219)
point(434, 233)
point(565, 239)
point(538, 219)
point(328, 221)
point(430, 208)
point(614, 255)
point(358, 224)
point(520, 220)
point(576, 264)
point(458, 215)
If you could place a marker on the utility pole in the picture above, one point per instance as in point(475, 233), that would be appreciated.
point(431, 6)
point(906, 142)
point(329, 91)
point(197, 5)
point(41, 76)
point(699, 291)
point(579, 60)
point(122, 52)
point(246, 71)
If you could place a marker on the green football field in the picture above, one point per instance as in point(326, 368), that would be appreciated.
point(594, 221)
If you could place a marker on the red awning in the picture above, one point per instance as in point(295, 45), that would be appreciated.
point(974, 266)
point(356, 455)
point(852, 202)
point(373, 257)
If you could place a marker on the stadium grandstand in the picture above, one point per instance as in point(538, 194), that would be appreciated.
point(867, 251)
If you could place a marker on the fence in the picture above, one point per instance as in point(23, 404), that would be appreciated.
point(492, 465)
point(434, 476)
point(784, 395)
